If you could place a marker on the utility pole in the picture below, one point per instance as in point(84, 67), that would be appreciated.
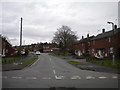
point(21, 35)
point(113, 41)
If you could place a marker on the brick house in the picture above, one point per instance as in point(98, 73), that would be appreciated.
point(6, 48)
point(43, 47)
point(105, 43)
point(35, 47)
point(83, 46)
point(49, 47)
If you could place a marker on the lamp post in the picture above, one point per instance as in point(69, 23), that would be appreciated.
point(113, 56)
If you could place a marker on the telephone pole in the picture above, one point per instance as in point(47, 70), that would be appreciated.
point(21, 36)
point(21, 33)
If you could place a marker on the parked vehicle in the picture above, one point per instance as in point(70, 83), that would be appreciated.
point(37, 52)
point(23, 52)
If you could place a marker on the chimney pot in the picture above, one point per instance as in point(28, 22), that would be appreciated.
point(82, 37)
point(103, 30)
point(87, 35)
point(115, 26)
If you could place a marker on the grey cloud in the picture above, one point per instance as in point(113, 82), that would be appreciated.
point(41, 19)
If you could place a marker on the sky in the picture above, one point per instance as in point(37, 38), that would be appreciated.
point(41, 19)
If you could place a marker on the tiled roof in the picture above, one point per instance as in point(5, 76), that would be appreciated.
point(84, 40)
point(106, 34)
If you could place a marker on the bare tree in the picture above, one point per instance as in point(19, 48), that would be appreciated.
point(65, 38)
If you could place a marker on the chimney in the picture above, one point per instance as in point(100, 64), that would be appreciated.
point(82, 37)
point(115, 26)
point(88, 35)
point(103, 30)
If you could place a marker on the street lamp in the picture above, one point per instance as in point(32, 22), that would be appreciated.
point(112, 25)
point(113, 41)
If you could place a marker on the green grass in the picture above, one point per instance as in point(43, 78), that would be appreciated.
point(29, 61)
point(106, 63)
point(8, 60)
point(75, 62)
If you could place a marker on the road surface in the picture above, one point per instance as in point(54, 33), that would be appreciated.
point(50, 71)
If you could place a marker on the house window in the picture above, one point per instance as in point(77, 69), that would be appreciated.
point(93, 50)
point(6, 50)
point(83, 51)
point(109, 39)
point(94, 42)
point(111, 50)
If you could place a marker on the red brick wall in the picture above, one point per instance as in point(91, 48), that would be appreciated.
point(9, 50)
point(104, 43)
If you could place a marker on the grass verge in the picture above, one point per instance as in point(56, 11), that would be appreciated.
point(28, 62)
point(9, 60)
point(75, 62)
point(106, 63)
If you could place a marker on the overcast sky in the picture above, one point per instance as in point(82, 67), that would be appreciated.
point(41, 19)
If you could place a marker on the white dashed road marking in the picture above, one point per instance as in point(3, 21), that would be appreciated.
point(90, 77)
point(13, 77)
point(114, 77)
point(102, 77)
point(76, 77)
point(60, 77)
point(31, 78)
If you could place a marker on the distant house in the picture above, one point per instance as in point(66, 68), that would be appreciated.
point(104, 44)
point(6, 48)
point(49, 47)
point(43, 47)
point(83, 46)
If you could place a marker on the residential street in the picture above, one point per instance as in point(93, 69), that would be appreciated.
point(50, 71)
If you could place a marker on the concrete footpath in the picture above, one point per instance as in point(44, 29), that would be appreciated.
point(16, 65)
point(90, 66)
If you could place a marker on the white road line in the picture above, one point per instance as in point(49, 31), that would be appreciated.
point(31, 78)
point(75, 77)
point(58, 77)
point(90, 77)
point(34, 63)
point(102, 77)
point(54, 72)
point(114, 77)
point(16, 77)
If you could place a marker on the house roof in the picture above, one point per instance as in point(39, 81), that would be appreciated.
point(106, 34)
point(84, 40)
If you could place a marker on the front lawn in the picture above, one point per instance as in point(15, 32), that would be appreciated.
point(106, 63)
point(9, 60)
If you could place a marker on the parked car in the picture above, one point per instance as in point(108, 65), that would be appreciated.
point(23, 52)
point(37, 52)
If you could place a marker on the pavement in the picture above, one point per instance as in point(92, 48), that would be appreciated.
point(53, 72)
point(90, 66)
point(16, 65)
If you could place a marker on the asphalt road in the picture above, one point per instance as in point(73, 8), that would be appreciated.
point(50, 71)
